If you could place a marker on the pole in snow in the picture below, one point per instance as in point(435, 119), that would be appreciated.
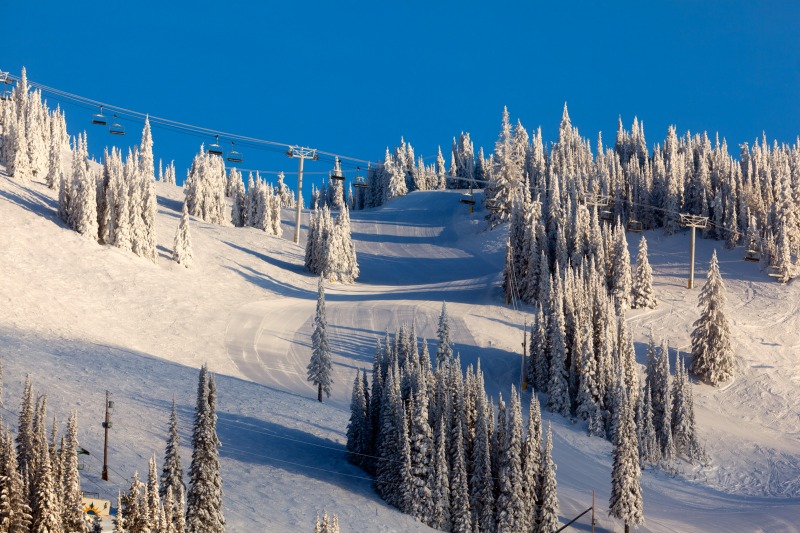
point(106, 427)
point(694, 222)
point(301, 154)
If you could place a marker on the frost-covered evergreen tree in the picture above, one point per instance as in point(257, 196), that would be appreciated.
point(444, 353)
point(20, 166)
point(320, 366)
point(481, 481)
point(182, 248)
point(172, 471)
point(649, 451)
point(621, 270)
point(204, 499)
point(532, 462)
point(460, 516)
point(84, 189)
point(712, 357)
point(511, 511)
point(642, 295)
point(441, 483)
point(47, 508)
point(557, 387)
point(357, 427)
point(15, 512)
point(626, 493)
point(422, 458)
point(72, 510)
point(55, 168)
point(547, 516)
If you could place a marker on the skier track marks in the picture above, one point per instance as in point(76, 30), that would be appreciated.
point(270, 341)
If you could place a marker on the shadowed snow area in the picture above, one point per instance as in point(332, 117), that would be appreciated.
point(82, 318)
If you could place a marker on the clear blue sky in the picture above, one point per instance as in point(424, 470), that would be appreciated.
point(353, 77)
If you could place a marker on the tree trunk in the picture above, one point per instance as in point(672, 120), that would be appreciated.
point(319, 393)
point(627, 528)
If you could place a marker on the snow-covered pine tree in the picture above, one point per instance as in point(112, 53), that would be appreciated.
point(621, 270)
point(55, 169)
point(25, 434)
point(547, 515)
point(356, 428)
point(532, 462)
point(626, 493)
point(422, 458)
point(204, 499)
point(71, 509)
point(441, 483)
point(47, 508)
point(481, 481)
point(172, 471)
point(712, 357)
point(649, 451)
point(152, 497)
point(444, 352)
point(557, 388)
point(460, 516)
point(511, 510)
point(182, 248)
point(15, 512)
point(84, 188)
point(642, 294)
point(20, 166)
point(320, 366)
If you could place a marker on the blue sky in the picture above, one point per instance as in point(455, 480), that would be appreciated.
point(353, 77)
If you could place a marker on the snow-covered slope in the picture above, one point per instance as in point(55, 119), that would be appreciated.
point(83, 318)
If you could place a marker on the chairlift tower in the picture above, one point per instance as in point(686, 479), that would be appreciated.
point(694, 222)
point(106, 427)
point(301, 154)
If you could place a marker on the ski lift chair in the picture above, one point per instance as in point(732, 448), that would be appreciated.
point(752, 256)
point(214, 148)
point(634, 226)
point(360, 183)
point(335, 175)
point(5, 96)
point(116, 128)
point(233, 155)
point(99, 119)
point(607, 215)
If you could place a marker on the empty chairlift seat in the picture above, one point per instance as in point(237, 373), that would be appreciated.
point(116, 128)
point(233, 155)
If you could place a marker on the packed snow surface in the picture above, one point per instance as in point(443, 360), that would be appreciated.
point(82, 319)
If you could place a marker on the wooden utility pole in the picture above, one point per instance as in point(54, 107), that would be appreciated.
point(106, 426)
point(694, 222)
point(301, 154)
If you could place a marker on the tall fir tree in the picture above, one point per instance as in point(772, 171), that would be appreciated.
point(172, 471)
point(712, 353)
point(320, 366)
point(204, 499)
point(642, 294)
point(626, 493)
point(182, 248)
point(547, 516)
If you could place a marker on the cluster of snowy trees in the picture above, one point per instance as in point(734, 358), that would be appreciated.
point(126, 197)
point(39, 477)
point(162, 503)
point(205, 188)
point(756, 196)
point(327, 524)
point(330, 251)
point(40, 488)
point(33, 138)
point(259, 206)
point(398, 175)
point(436, 448)
point(167, 176)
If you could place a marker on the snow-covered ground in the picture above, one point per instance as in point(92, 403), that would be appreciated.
point(83, 318)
